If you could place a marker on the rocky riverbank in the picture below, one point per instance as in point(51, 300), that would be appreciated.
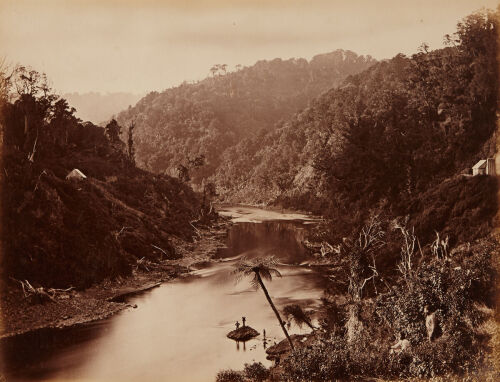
point(107, 298)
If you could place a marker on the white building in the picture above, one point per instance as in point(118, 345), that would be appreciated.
point(484, 167)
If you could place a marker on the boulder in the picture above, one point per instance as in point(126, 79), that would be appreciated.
point(244, 333)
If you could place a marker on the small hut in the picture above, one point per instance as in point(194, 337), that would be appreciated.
point(484, 167)
point(76, 174)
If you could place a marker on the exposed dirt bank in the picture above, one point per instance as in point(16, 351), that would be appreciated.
point(103, 300)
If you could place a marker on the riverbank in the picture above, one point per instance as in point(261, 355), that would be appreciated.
point(105, 299)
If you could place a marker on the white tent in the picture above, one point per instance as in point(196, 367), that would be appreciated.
point(76, 174)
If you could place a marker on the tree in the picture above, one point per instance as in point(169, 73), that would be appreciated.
point(209, 191)
point(297, 314)
point(361, 255)
point(130, 143)
point(33, 97)
point(113, 130)
point(263, 269)
point(214, 69)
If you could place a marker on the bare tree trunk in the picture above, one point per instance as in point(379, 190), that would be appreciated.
point(275, 310)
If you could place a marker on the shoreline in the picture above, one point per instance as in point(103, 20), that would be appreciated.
point(103, 300)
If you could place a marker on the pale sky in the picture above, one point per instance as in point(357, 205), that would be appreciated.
point(139, 46)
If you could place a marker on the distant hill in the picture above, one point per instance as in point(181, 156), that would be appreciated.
point(208, 117)
point(97, 107)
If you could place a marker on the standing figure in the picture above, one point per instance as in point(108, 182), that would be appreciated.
point(244, 320)
point(237, 325)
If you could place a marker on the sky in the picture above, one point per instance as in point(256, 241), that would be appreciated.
point(139, 46)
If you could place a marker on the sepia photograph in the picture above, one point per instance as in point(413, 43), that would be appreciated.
point(249, 190)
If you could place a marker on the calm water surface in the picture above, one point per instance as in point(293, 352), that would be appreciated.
point(178, 332)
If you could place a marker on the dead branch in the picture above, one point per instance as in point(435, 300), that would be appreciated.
point(31, 156)
point(36, 295)
point(195, 229)
point(38, 180)
point(117, 234)
point(163, 252)
point(439, 247)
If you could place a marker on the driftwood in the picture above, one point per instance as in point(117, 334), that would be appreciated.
point(144, 264)
point(162, 251)
point(40, 295)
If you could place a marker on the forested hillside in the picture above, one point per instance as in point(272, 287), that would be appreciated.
point(57, 231)
point(212, 115)
point(385, 136)
point(409, 234)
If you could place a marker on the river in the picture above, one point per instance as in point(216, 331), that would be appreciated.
point(178, 331)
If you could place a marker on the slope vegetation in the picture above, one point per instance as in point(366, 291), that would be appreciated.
point(58, 232)
point(208, 117)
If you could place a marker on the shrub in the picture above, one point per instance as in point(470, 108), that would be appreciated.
point(229, 376)
point(256, 372)
point(321, 362)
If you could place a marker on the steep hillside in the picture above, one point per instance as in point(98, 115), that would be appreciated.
point(409, 238)
point(384, 136)
point(57, 231)
point(212, 115)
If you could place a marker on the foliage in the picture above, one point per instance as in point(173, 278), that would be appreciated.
point(130, 143)
point(361, 254)
point(256, 372)
point(215, 114)
point(229, 376)
point(298, 315)
point(58, 232)
point(113, 130)
point(393, 141)
point(260, 269)
point(414, 122)
point(321, 362)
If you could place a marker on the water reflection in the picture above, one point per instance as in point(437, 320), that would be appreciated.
point(178, 332)
point(281, 239)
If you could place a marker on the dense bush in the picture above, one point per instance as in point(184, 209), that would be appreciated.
point(229, 376)
point(256, 372)
point(462, 208)
point(214, 115)
point(321, 362)
point(58, 232)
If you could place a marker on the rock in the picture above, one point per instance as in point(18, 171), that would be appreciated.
point(244, 333)
point(400, 346)
point(276, 351)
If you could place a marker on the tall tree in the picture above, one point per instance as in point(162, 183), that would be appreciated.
point(130, 143)
point(113, 130)
point(263, 269)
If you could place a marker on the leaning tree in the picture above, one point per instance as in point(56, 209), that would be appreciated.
point(262, 269)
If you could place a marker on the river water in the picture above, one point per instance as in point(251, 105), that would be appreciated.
point(178, 332)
